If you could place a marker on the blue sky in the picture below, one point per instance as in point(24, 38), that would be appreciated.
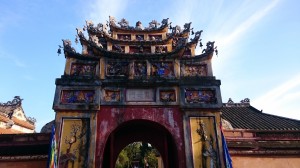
point(259, 51)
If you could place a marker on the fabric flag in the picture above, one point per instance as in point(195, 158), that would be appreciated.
point(52, 156)
point(228, 161)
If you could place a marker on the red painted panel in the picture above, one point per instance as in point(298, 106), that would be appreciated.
point(109, 118)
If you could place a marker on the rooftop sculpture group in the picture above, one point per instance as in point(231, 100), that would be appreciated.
point(99, 35)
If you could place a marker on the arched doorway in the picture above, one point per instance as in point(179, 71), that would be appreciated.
point(144, 131)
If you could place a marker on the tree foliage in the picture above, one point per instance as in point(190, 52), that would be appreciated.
point(137, 155)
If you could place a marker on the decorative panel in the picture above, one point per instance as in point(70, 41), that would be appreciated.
point(77, 96)
point(161, 49)
point(139, 49)
point(194, 70)
point(140, 95)
point(139, 37)
point(118, 48)
point(163, 69)
point(79, 69)
point(204, 142)
point(117, 68)
point(167, 95)
point(124, 36)
point(74, 143)
point(140, 68)
point(206, 96)
point(155, 37)
point(112, 95)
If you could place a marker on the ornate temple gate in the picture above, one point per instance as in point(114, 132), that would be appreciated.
point(138, 84)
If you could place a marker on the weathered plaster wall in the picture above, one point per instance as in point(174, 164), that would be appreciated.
point(24, 164)
point(266, 162)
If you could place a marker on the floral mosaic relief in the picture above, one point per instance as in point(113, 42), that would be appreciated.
point(77, 96)
point(163, 69)
point(83, 70)
point(195, 70)
point(205, 96)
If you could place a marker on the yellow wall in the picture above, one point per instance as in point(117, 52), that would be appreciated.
point(265, 162)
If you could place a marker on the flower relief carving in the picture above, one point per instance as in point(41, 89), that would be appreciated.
point(167, 95)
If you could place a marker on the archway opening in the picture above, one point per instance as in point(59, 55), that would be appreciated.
point(141, 131)
point(139, 155)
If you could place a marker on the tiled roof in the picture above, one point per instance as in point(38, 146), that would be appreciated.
point(248, 117)
point(23, 145)
point(10, 107)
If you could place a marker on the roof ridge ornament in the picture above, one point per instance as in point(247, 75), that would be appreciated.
point(246, 100)
point(17, 102)
point(153, 24)
point(243, 103)
point(7, 109)
point(165, 22)
point(187, 26)
point(112, 20)
point(230, 101)
point(67, 46)
point(139, 25)
point(209, 47)
point(124, 23)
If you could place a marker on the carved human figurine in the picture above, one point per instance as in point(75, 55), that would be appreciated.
point(89, 24)
point(153, 24)
point(112, 20)
point(124, 23)
point(165, 21)
point(176, 29)
point(139, 26)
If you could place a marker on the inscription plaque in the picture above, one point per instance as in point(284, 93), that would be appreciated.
point(140, 95)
